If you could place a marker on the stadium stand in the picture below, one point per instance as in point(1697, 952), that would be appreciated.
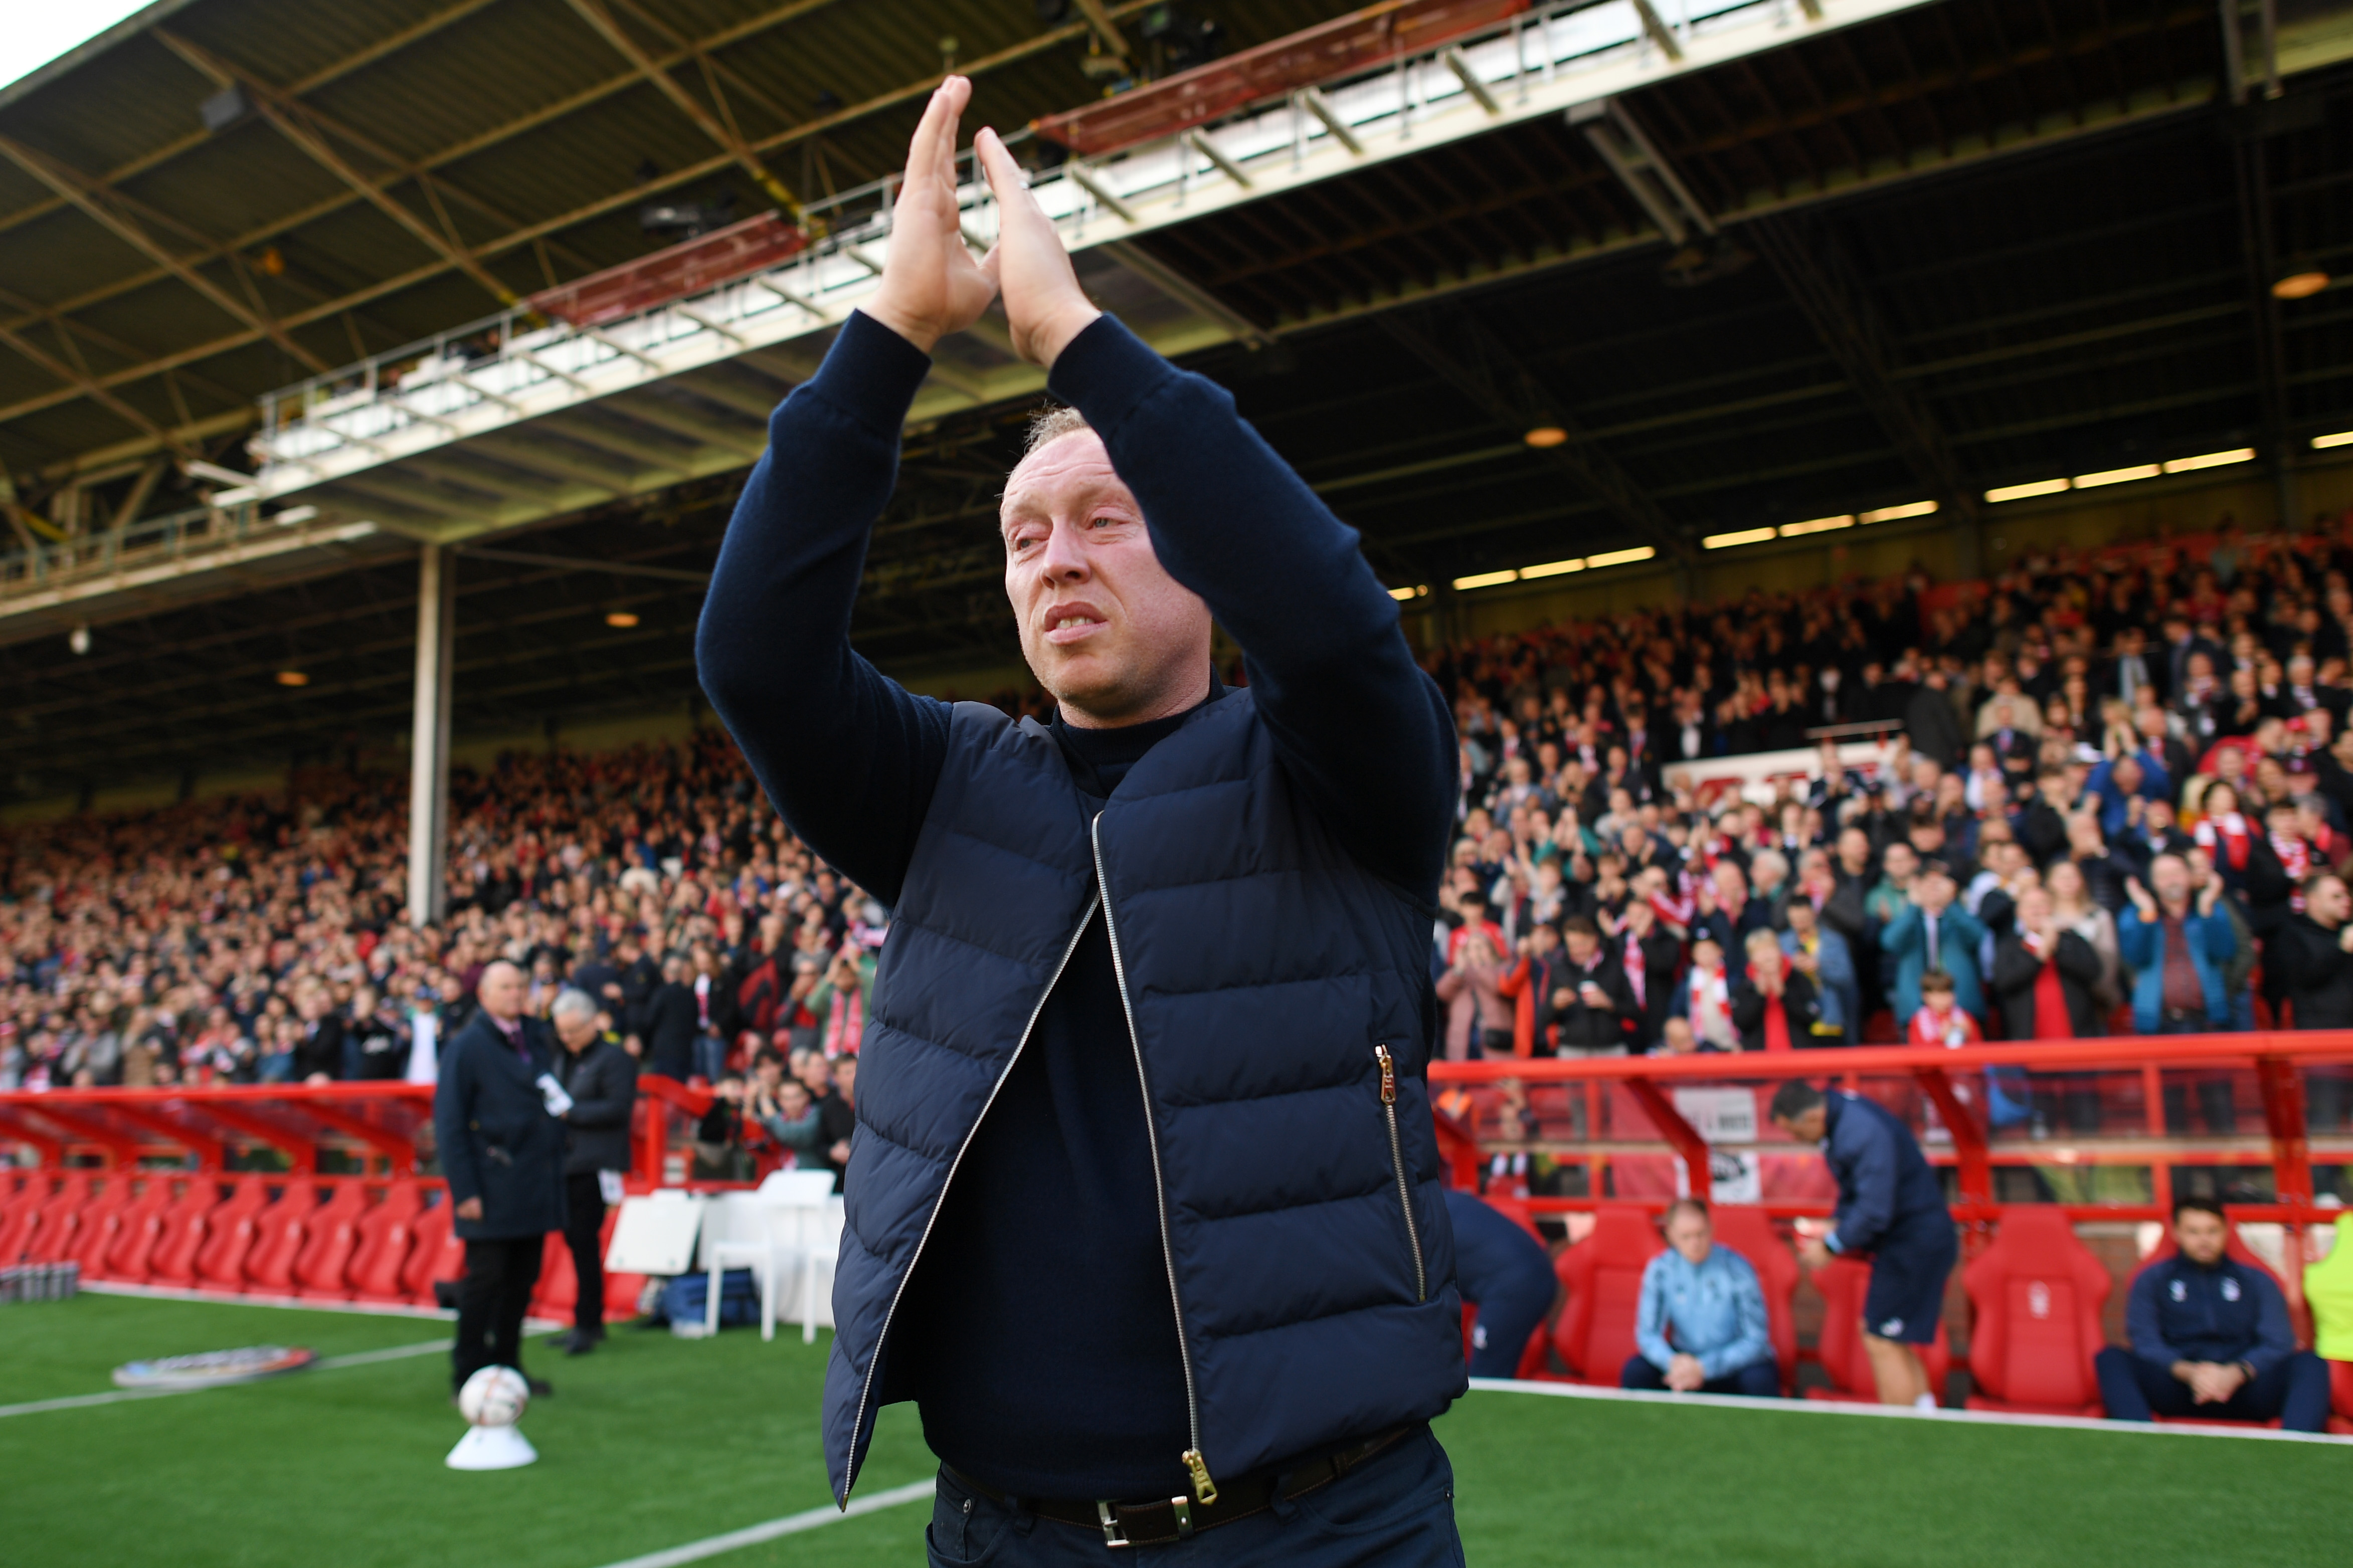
point(216, 942)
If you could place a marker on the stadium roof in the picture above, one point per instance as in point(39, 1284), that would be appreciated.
point(1962, 243)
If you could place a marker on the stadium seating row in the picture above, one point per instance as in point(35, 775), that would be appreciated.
point(329, 1238)
point(2035, 1292)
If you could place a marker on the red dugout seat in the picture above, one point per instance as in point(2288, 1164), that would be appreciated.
point(50, 1235)
point(2340, 1399)
point(181, 1233)
point(137, 1229)
point(387, 1235)
point(1748, 1231)
point(331, 1236)
point(2036, 1295)
point(231, 1231)
point(1595, 1331)
point(22, 1222)
point(1843, 1285)
point(98, 1221)
point(436, 1254)
point(277, 1235)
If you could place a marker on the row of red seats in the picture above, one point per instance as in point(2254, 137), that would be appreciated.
point(323, 1238)
point(2036, 1295)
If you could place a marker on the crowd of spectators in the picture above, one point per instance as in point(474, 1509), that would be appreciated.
point(2072, 827)
point(250, 940)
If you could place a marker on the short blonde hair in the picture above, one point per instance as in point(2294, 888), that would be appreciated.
point(1050, 424)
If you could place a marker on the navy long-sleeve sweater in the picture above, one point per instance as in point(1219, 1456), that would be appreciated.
point(1038, 1336)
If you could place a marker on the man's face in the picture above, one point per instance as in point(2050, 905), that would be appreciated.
point(1800, 915)
point(1581, 948)
point(1690, 1233)
point(576, 1030)
point(2201, 1237)
point(501, 991)
point(817, 1072)
point(1807, 1126)
point(2169, 880)
point(2329, 903)
point(1102, 624)
point(1854, 850)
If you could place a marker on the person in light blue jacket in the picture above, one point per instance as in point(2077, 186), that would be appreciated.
point(1701, 1325)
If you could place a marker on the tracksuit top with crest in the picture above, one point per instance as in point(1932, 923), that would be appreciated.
point(1144, 1188)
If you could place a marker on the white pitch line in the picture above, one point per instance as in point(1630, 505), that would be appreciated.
point(122, 1395)
point(791, 1524)
point(1903, 1412)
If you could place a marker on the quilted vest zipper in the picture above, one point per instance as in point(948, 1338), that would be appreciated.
point(866, 1388)
point(1205, 1490)
point(1396, 1162)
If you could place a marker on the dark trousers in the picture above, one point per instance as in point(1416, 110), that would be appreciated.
point(1757, 1380)
point(491, 1300)
point(1396, 1509)
point(584, 1232)
point(2294, 1390)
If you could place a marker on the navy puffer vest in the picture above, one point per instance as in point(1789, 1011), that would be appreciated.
point(1266, 976)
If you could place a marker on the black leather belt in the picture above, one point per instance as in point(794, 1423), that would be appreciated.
point(1174, 1519)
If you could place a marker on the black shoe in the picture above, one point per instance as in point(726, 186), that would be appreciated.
point(540, 1387)
point(578, 1343)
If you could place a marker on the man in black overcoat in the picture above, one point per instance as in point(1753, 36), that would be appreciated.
point(502, 1147)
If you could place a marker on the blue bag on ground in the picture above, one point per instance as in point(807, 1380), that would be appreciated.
point(686, 1298)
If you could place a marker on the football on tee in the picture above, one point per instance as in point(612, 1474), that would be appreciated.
point(494, 1396)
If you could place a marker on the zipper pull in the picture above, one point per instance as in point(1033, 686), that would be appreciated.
point(1388, 1075)
point(1205, 1490)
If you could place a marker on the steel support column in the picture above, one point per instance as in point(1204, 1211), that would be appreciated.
point(428, 757)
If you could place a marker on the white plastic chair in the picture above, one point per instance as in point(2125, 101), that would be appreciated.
point(791, 1204)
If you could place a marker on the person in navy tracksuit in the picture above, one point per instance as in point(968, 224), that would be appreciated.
point(1892, 1207)
point(2211, 1337)
point(1502, 1270)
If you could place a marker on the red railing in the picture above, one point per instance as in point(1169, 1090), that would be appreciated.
point(1617, 1115)
point(381, 1126)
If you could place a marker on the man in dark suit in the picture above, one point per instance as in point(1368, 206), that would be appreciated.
point(602, 1079)
point(670, 1021)
point(503, 1153)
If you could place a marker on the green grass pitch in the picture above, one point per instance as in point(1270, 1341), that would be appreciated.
point(655, 1442)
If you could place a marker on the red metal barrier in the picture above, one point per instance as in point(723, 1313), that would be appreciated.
point(1606, 1111)
point(136, 1185)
